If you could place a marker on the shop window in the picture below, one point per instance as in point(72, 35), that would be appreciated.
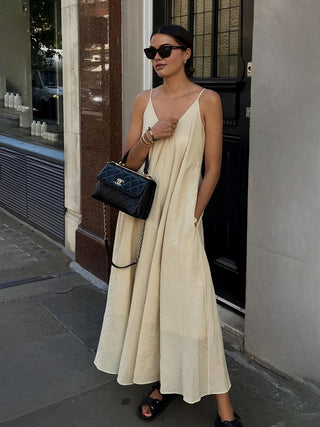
point(31, 84)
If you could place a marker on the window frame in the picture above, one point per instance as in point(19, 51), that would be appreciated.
point(162, 14)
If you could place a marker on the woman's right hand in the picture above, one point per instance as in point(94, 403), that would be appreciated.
point(164, 128)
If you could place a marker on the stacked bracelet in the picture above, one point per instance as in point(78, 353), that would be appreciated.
point(152, 136)
point(145, 141)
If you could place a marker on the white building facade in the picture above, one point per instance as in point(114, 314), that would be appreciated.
point(282, 277)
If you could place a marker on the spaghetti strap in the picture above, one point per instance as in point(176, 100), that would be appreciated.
point(200, 94)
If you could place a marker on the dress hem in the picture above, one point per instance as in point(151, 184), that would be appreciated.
point(141, 382)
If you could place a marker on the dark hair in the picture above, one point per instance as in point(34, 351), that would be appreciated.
point(182, 36)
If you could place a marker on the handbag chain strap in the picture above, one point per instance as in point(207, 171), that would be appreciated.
point(106, 241)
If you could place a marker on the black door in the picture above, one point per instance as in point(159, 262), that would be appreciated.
point(222, 31)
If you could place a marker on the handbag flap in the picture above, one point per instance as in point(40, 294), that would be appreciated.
point(123, 179)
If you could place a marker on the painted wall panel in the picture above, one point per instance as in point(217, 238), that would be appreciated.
point(283, 273)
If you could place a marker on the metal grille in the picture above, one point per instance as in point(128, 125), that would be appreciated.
point(34, 189)
point(13, 186)
point(45, 201)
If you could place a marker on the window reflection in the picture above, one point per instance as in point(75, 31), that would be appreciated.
point(31, 70)
point(46, 60)
point(94, 58)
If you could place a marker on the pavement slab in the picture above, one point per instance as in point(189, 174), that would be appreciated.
point(50, 321)
point(41, 362)
point(81, 311)
point(24, 253)
point(53, 285)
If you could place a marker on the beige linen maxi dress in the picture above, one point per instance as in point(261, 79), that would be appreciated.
point(161, 320)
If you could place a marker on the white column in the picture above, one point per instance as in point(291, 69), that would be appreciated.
point(147, 30)
point(71, 108)
point(136, 69)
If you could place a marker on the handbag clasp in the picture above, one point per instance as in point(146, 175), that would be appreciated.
point(119, 182)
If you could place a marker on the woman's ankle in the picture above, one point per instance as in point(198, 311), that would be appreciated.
point(225, 409)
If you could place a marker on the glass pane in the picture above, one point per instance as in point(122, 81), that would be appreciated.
point(223, 65)
point(199, 6)
point(207, 67)
point(198, 27)
point(233, 66)
point(179, 12)
point(224, 20)
point(31, 70)
point(176, 8)
point(233, 43)
point(234, 18)
point(184, 8)
point(228, 37)
point(207, 45)
point(202, 31)
point(198, 46)
point(208, 23)
point(224, 3)
point(223, 46)
point(208, 5)
point(184, 21)
point(175, 21)
point(198, 66)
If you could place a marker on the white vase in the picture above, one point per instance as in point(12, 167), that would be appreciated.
point(3, 85)
point(17, 101)
point(44, 128)
point(11, 100)
point(38, 129)
point(24, 117)
point(6, 100)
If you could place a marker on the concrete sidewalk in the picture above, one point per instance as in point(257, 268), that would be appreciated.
point(50, 320)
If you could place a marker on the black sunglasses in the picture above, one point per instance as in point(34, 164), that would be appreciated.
point(164, 51)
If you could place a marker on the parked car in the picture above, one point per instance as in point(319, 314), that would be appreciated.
point(47, 93)
point(47, 89)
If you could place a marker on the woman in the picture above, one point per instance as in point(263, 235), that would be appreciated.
point(161, 323)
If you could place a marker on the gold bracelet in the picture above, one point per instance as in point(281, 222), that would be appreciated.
point(147, 137)
point(142, 142)
point(145, 143)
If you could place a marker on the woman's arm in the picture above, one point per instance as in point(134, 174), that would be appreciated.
point(138, 151)
point(211, 111)
point(164, 128)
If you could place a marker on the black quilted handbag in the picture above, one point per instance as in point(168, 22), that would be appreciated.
point(127, 191)
point(124, 189)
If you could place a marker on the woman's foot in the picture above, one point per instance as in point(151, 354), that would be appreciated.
point(155, 395)
point(154, 403)
point(233, 423)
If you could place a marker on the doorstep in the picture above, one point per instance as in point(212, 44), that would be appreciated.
point(232, 325)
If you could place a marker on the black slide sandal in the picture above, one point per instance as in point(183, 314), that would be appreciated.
point(155, 406)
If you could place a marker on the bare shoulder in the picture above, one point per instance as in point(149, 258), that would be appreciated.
point(209, 100)
point(141, 100)
point(210, 108)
